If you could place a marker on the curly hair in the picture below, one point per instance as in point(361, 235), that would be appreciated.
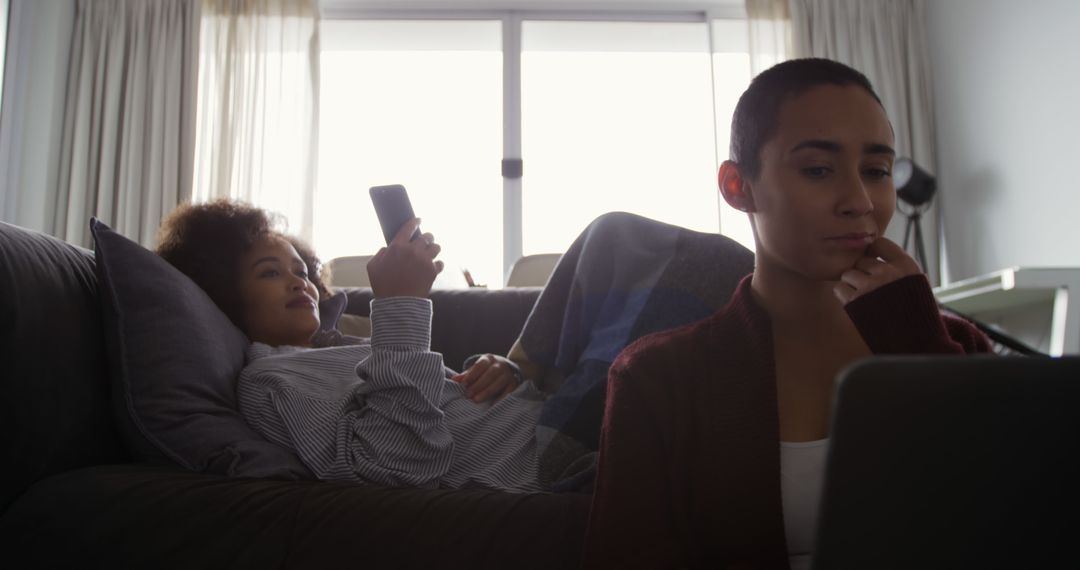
point(207, 241)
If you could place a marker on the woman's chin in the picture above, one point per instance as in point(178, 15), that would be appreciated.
point(298, 335)
point(837, 266)
point(311, 328)
point(828, 270)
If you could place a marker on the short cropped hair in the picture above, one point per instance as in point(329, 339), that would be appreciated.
point(207, 242)
point(758, 110)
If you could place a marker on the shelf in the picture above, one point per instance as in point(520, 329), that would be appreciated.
point(1017, 287)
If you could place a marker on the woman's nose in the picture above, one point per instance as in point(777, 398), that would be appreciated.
point(855, 200)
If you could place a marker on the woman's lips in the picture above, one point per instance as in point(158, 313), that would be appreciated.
point(852, 240)
point(301, 302)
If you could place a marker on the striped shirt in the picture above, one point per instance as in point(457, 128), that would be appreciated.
point(384, 411)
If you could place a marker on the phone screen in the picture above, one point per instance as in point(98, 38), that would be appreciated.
point(393, 208)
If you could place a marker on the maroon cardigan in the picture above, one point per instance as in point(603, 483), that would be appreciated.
point(689, 468)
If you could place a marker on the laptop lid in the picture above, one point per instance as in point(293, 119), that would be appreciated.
point(953, 462)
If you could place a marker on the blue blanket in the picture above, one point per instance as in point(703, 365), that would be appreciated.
point(623, 278)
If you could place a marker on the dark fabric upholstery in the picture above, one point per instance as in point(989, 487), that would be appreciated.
point(131, 516)
point(64, 506)
point(174, 358)
point(54, 414)
point(467, 321)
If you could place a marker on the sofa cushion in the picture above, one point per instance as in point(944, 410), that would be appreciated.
point(174, 360)
point(54, 413)
point(141, 516)
point(465, 322)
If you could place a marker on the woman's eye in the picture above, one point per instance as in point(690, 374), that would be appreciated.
point(878, 173)
point(269, 273)
point(816, 171)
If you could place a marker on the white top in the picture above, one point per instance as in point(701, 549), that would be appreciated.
point(802, 473)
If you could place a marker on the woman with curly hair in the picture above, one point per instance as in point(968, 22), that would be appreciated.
point(383, 410)
point(207, 242)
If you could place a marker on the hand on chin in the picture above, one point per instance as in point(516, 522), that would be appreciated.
point(883, 262)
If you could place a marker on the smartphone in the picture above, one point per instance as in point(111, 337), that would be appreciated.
point(393, 208)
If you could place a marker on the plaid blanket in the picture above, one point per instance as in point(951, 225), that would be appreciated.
point(624, 277)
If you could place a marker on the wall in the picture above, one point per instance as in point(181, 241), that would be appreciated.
point(35, 76)
point(1007, 106)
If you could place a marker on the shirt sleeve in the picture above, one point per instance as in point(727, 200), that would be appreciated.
point(902, 317)
point(380, 421)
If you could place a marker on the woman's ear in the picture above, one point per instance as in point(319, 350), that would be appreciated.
point(734, 188)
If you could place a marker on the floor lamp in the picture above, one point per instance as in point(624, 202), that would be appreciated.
point(914, 187)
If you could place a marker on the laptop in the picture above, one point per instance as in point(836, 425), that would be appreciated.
point(953, 462)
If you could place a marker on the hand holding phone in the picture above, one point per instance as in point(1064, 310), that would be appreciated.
point(406, 267)
point(393, 208)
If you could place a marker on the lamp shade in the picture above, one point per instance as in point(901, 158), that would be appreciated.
point(913, 184)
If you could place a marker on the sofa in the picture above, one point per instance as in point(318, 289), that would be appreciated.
point(77, 492)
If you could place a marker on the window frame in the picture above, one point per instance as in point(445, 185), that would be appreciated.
point(512, 18)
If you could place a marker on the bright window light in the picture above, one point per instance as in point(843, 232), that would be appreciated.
point(615, 116)
point(417, 103)
point(630, 116)
point(731, 76)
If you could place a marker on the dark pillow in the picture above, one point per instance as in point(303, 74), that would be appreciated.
point(174, 358)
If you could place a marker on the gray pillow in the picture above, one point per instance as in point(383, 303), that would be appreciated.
point(174, 358)
point(330, 310)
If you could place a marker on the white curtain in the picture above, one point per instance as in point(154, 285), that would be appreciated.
point(128, 130)
point(3, 48)
point(258, 111)
point(769, 33)
point(887, 41)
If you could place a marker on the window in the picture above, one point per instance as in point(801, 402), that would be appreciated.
point(417, 103)
point(731, 76)
point(614, 115)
